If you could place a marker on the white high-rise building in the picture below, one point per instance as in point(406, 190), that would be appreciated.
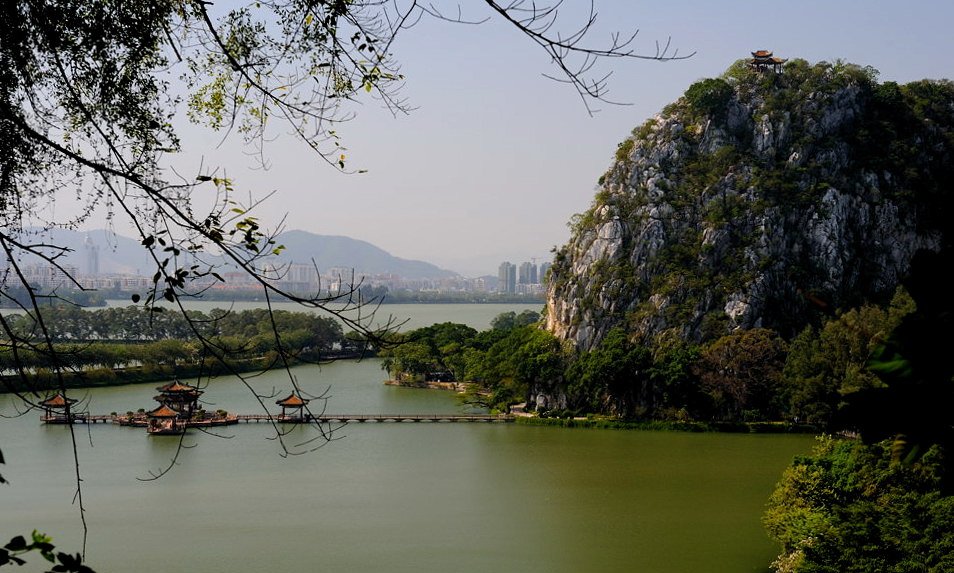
point(91, 252)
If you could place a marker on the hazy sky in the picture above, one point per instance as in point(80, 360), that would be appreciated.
point(495, 158)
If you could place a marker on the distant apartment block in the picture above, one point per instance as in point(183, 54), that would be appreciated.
point(507, 278)
point(528, 274)
point(50, 276)
point(544, 267)
point(527, 278)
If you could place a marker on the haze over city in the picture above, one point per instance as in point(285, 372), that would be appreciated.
point(494, 159)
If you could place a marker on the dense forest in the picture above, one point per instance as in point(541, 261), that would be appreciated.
point(747, 376)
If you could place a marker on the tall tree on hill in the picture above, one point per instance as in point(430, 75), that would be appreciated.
point(87, 101)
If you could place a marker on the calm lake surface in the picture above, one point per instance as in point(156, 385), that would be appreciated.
point(391, 496)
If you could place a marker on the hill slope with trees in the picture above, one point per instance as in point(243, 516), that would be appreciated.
point(760, 200)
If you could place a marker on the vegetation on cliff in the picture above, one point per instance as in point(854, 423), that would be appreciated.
point(755, 198)
point(746, 376)
point(783, 233)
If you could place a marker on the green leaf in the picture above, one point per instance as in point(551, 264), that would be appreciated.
point(18, 543)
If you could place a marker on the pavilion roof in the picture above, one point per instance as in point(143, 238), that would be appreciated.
point(177, 387)
point(292, 401)
point(176, 398)
point(163, 412)
point(762, 54)
point(57, 401)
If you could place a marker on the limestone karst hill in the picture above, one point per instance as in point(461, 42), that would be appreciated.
point(760, 199)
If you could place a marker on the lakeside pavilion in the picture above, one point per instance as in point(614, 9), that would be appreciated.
point(165, 421)
point(295, 403)
point(57, 409)
point(178, 402)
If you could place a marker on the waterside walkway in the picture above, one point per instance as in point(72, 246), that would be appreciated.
point(140, 420)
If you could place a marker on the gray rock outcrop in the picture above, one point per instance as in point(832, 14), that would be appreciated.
point(760, 200)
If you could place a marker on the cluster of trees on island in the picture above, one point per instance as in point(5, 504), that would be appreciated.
point(131, 344)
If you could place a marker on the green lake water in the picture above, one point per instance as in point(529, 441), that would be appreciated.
point(421, 497)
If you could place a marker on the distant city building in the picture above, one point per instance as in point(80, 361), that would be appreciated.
point(544, 267)
point(50, 275)
point(92, 257)
point(507, 278)
point(528, 274)
point(294, 277)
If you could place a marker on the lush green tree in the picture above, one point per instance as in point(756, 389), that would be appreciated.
point(508, 320)
point(709, 97)
point(526, 357)
point(613, 377)
point(849, 508)
point(674, 380)
point(436, 351)
point(825, 364)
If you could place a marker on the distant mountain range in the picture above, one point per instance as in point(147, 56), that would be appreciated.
point(122, 255)
point(336, 251)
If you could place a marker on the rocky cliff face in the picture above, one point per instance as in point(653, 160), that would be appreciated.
point(758, 200)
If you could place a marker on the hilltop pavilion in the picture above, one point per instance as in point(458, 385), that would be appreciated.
point(763, 59)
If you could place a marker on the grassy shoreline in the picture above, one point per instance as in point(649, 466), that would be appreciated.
point(664, 425)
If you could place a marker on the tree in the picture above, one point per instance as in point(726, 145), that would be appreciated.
point(911, 406)
point(848, 508)
point(741, 372)
point(524, 358)
point(673, 379)
point(508, 320)
point(614, 376)
point(824, 365)
point(86, 109)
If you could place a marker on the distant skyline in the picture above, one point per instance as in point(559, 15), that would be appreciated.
point(495, 159)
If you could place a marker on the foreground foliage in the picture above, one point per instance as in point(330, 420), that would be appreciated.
point(849, 508)
point(12, 554)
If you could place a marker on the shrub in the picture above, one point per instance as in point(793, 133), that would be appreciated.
point(709, 97)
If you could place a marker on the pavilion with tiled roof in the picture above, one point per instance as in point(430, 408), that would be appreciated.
point(57, 409)
point(763, 59)
point(165, 420)
point(295, 403)
point(180, 397)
